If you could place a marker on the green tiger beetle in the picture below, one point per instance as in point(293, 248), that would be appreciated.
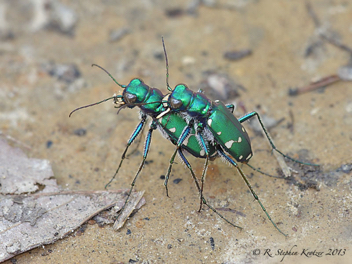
point(193, 123)
point(150, 102)
point(214, 125)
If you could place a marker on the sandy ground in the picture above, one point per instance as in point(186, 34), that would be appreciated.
point(34, 109)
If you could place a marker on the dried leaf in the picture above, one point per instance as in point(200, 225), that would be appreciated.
point(32, 220)
point(19, 174)
point(131, 205)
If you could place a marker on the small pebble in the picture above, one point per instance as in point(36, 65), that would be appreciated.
point(55, 16)
point(188, 60)
point(49, 143)
point(345, 73)
point(67, 73)
point(175, 12)
point(159, 55)
point(80, 132)
point(118, 34)
point(212, 243)
point(177, 181)
point(237, 54)
point(346, 168)
point(219, 86)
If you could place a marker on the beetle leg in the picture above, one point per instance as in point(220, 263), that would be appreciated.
point(185, 133)
point(148, 139)
point(253, 114)
point(135, 133)
point(204, 201)
point(231, 107)
point(206, 154)
point(224, 155)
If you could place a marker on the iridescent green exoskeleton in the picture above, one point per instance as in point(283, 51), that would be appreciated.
point(223, 125)
point(172, 125)
point(192, 122)
point(216, 127)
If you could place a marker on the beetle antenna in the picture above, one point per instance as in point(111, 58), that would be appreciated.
point(85, 106)
point(122, 86)
point(167, 66)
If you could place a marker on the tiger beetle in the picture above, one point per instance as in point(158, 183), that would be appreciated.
point(215, 126)
point(194, 125)
point(150, 102)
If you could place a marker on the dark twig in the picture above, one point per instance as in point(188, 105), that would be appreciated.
point(315, 85)
point(336, 43)
point(312, 14)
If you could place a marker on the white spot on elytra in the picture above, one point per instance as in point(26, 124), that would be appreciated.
point(219, 133)
point(249, 156)
point(210, 121)
point(173, 130)
point(185, 142)
point(240, 157)
point(202, 152)
point(229, 143)
point(243, 129)
point(239, 139)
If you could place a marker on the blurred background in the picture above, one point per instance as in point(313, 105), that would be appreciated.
point(257, 54)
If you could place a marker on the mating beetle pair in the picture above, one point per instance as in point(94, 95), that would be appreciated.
point(193, 123)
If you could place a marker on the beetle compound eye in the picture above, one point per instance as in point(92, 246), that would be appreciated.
point(130, 98)
point(175, 103)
